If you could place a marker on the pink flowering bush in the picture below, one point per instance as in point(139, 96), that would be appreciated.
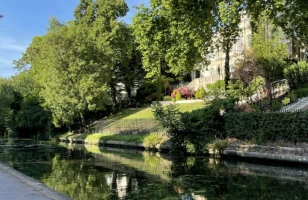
point(184, 91)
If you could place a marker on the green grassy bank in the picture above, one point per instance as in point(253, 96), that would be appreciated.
point(151, 140)
point(146, 113)
point(131, 121)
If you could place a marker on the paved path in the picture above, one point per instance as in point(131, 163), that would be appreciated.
point(300, 105)
point(17, 186)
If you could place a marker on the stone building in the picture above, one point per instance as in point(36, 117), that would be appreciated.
point(202, 75)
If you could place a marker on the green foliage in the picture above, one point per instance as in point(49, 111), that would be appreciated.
point(292, 96)
point(286, 101)
point(269, 49)
point(77, 64)
point(178, 95)
point(197, 96)
point(276, 105)
point(202, 93)
point(166, 31)
point(228, 30)
point(152, 140)
point(191, 132)
point(300, 93)
point(236, 90)
point(20, 111)
point(268, 127)
point(216, 89)
point(219, 145)
point(167, 98)
point(297, 74)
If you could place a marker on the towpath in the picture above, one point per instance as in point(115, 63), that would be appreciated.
point(17, 186)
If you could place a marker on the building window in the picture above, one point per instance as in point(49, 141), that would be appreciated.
point(197, 74)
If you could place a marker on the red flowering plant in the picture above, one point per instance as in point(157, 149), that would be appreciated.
point(185, 92)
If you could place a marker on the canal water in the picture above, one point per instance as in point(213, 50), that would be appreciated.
point(106, 173)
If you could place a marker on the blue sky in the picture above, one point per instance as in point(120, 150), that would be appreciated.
point(24, 19)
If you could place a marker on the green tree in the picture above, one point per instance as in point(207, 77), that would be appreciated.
point(74, 62)
point(97, 23)
point(269, 50)
point(173, 35)
point(6, 100)
point(151, 33)
point(228, 29)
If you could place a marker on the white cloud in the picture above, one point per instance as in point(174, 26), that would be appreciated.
point(10, 49)
point(13, 47)
point(10, 44)
point(5, 61)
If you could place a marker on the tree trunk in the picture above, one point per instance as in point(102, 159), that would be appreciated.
point(113, 91)
point(83, 121)
point(269, 88)
point(227, 67)
point(129, 94)
point(69, 127)
point(159, 86)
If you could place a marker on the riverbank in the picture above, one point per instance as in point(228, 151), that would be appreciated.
point(152, 141)
point(16, 185)
point(288, 154)
point(155, 142)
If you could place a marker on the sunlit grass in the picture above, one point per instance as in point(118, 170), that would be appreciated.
point(147, 113)
point(148, 140)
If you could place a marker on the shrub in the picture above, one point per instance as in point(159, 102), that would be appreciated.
point(297, 74)
point(178, 95)
point(191, 132)
point(286, 101)
point(268, 127)
point(202, 93)
point(300, 93)
point(216, 89)
point(197, 94)
point(152, 140)
point(167, 98)
point(184, 92)
point(276, 105)
point(292, 96)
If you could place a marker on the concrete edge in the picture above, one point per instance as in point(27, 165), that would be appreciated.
point(31, 182)
point(159, 147)
point(267, 156)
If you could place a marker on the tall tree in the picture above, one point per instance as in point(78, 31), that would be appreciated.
point(75, 62)
point(70, 84)
point(173, 35)
point(227, 30)
point(269, 49)
point(98, 24)
point(151, 33)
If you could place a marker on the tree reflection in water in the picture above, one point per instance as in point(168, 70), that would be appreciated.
point(112, 174)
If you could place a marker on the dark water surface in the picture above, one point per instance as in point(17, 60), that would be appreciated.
point(96, 173)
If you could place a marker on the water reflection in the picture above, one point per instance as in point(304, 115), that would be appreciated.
point(95, 173)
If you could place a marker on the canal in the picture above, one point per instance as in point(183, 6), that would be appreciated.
point(107, 173)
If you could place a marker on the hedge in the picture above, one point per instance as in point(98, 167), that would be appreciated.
point(268, 127)
point(300, 93)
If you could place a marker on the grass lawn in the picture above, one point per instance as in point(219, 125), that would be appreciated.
point(146, 113)
point(147, 140)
